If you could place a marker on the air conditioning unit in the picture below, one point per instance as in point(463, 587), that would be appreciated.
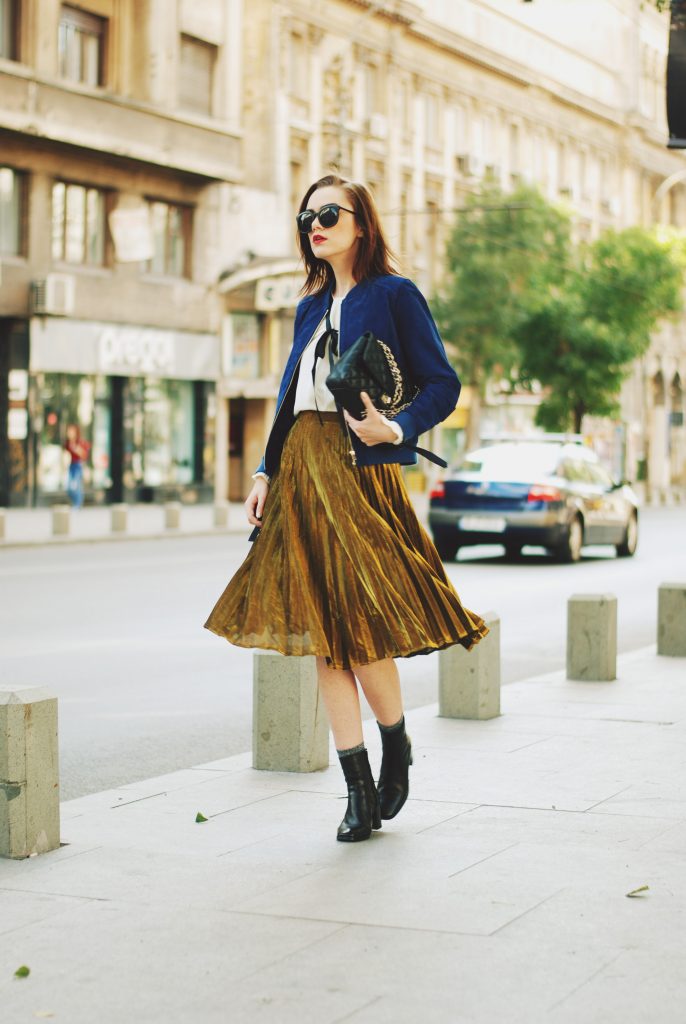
point(376, 126)
point(53, 295)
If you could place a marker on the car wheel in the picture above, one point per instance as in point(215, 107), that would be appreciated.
point(513, 551)
point(628, 546)
point(570, 549)
point(447, 547)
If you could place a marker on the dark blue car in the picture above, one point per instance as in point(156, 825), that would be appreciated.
point(551, 494)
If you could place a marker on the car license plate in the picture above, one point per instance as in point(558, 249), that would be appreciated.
point(482, 524)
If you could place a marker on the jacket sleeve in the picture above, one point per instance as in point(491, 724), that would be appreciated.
point(424, 355)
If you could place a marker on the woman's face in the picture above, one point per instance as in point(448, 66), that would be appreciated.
point(327, 243)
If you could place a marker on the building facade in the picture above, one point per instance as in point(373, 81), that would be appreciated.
point(153, 154)
point(120, 134)
point(421, 100)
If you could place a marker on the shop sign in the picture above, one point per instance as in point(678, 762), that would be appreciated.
point(18, 385)
point(277, 292)
point(137, 352)
point(63, 345)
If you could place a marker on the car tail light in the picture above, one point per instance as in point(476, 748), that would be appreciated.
point(438, 490)
point(543, 492)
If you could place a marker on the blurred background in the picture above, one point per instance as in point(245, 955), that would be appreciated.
point(153, 154)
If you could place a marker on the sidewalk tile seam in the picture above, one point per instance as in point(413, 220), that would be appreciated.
point(360, 1009)
point(62, 895)
point(612, 796)
point(528, 910)
point(586, 980)
point(294, 952)
point(358, 924)
point(138, 799)
point(482, 860)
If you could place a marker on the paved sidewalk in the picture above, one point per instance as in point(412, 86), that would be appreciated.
point(33, 526)
point(28, 527)
point(497, 896)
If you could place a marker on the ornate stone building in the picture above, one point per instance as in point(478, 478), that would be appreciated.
point(152, 156)
point(420, 100)
point(120, 131)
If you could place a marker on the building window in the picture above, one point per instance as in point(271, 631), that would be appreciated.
point(81, 44)
point(78, 224)
point(9, 29)
point(196, 75)
point(11, 210)
point(298, 67)
point(171, 230)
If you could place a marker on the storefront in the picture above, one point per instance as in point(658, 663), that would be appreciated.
point(142, 398)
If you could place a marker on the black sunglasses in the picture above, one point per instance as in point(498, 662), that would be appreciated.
point(327, 217)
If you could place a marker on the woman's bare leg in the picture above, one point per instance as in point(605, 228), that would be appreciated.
point(342, 702)
point(381, 684)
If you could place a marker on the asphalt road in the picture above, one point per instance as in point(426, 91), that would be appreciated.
point(115, 631)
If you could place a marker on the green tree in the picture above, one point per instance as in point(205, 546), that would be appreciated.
point(504, 251)
point(584, 335)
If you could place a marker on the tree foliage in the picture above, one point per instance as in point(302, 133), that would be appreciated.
point(581, 340)
point(505, 250)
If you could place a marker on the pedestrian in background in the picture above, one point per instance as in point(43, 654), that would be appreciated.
point(341, 568)
point(78, 451)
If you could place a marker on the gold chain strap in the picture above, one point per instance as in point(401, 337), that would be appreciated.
point(395, 406)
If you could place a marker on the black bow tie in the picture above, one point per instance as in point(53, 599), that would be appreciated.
point(329, 335)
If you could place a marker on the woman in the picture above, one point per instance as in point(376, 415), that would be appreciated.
point(78, 453)
point(341, 568)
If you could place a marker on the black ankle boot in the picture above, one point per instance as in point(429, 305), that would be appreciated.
point(394, 783)
point(362, 814)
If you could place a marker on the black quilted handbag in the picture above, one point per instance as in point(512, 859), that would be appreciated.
point(369, 365)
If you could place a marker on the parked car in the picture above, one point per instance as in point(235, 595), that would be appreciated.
point(549, 493)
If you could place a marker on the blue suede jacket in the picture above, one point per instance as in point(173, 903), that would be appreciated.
point(397, 313)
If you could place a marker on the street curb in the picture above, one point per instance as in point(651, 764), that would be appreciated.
point(49, 542)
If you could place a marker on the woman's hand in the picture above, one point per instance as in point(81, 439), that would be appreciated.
point(254, 503)
point(372, 429)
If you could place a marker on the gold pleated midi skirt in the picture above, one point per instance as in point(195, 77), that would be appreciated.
point(342, 567)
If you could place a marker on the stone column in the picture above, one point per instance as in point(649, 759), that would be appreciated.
point(290, 729)
point(60, 520)
point(119, 514)
point(172, 515)
point(592, 637)
point(29, 777)
point(671, 619)
point(469, 681)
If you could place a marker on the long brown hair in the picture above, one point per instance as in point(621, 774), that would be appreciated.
point(373, 257)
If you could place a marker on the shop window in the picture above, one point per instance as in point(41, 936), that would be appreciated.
point(78, 224)
point(171, 228)
point(196, 75)
point(9, 29)
point(81, 46)
point(84, 401)
point(158, 434)
point(11, 211)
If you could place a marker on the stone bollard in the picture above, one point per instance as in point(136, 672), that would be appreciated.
point(172, 515)
point(221, 514)
point(2, 523)
point(29, 778)
point(592, 637)
point(469, 681)
point(289, 726)
point(60, 520)
point(119, 518)
point(671, 619)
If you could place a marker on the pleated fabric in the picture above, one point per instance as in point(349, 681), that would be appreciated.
point(342, 568)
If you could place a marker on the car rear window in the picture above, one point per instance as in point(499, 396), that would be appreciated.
point(512, 462)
